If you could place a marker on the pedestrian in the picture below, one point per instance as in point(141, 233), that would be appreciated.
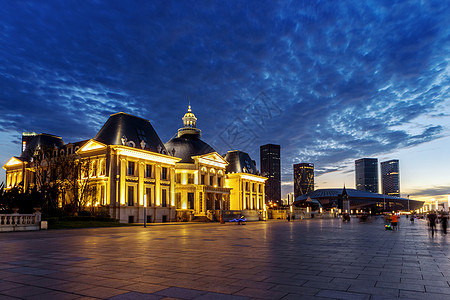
point(432, 217)
point(394, 221)
point(288, 217)
point(444, 223)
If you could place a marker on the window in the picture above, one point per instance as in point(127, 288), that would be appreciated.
point(219, 181)
point(202, 179)
point(164, 173)
point(102, 195)
point(94, 169)
point(178, 178)
point(148, 171)
point(130, 196)
point(148, 193)
point(190, 204)
point(103, 168)
point(190, 178)
point(211, 180)
point(178, 200)
point(164, 198)
point(141, 135)
point(247, 186)
point(130, 168)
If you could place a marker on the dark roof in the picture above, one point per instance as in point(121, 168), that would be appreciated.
point(41, 140)
point(186, 146)
point(134, 129)
point(240, 162)
point(352, 193)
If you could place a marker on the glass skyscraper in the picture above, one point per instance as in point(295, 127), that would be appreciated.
point(390, 177)
point(366, 174)
point(271, 168)
point(303, 179)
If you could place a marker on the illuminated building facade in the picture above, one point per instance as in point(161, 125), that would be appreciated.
point(271, 168)
point(366, 174)
point(207, 183)
point(390, 177)
point(126, 168)
point(303, 179)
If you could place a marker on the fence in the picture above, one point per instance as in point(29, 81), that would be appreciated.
point(20, 222)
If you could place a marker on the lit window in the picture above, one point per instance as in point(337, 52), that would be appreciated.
point(190, 178)
point(130, 168)
point(164, 173)
point(148, 171)
point(164, 198)
point(130, 196)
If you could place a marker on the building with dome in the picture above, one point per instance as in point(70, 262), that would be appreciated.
point(126, 169)
point(205, 186)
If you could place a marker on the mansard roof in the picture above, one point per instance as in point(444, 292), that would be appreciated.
point(129, 130)
point(41, 141)
point(240, 162)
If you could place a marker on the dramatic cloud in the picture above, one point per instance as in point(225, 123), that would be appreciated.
point(329, 81)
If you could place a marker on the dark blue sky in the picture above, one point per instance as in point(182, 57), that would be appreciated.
point(330, 81)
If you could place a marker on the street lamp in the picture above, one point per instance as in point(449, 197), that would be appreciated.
point(145, 210)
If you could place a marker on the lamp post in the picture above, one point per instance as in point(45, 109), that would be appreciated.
point(145, 210)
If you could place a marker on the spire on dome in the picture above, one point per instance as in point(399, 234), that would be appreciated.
point(189, 123)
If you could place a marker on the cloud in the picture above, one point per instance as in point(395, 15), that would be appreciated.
point(343, 79)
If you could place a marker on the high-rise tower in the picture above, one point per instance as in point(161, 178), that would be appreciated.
point(303, 179)
point(390, 177)
point(366, 174)
point(271, 168)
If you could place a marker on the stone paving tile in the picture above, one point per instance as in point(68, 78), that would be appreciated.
point(342, 295)
point(401, 286)
point(293, 289)
point(53, 295)
point(385, 292)
point(24, 291)
point(136, 296)
point(7, 285)
point(440, 290)
point(422, 296)
point(303, 297)
point(217, 296)
point(180, 293)
point(261, 294)
point(101, 292)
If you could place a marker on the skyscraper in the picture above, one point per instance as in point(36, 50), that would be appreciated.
point(271, 168)
point(366, 174)
point(390, 177)
point(303, 179)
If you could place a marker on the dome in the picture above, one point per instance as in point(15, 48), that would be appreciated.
point(188, 142)
point(186, 146)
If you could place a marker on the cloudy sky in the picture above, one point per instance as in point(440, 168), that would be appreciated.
point(330, 81)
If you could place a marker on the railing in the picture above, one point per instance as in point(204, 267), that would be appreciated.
point(18, 222)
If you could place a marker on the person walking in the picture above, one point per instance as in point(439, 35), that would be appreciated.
point(444, 223)
point(394, 221)
point(432, 217)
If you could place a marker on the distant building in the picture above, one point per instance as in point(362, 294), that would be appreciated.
point(303, 179)
point(366, 174)
point(390, 177)
point(361, 200)
point(271, 168)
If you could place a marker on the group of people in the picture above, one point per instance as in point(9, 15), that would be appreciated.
point(433, 219)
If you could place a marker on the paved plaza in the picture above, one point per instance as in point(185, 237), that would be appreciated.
point(308, 259)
